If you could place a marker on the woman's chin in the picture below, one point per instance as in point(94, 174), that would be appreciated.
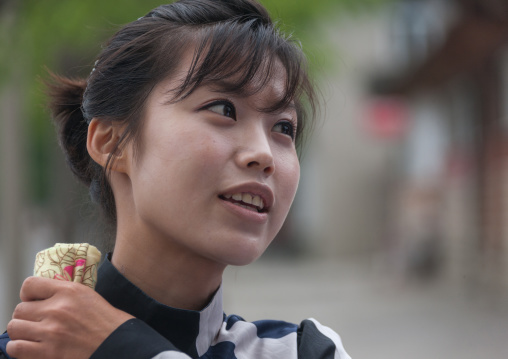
point(240, 257)
point(243, 261)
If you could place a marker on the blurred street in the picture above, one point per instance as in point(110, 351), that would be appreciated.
point(376, 314)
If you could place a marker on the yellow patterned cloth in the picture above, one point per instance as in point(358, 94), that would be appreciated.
point(74, 262)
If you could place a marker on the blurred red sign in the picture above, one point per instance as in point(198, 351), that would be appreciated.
point(387, 118)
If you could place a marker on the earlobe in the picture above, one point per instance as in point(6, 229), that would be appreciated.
point(102, 142)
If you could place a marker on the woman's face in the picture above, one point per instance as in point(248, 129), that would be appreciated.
point(215, 176)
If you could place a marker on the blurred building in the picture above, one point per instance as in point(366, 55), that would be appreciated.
point(461, 85)
point(411, 161)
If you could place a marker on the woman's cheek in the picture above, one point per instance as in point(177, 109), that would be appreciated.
point(290, 176)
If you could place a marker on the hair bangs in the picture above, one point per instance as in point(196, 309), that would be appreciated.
point(241, 58)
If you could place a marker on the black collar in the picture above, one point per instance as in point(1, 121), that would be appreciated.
point(190, 331)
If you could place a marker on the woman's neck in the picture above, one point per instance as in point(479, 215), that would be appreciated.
point(162, 268)
point(172, 276)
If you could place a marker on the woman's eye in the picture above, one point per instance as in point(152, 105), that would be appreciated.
point(286, 128)
point(223, 108)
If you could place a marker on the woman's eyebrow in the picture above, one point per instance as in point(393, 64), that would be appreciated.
point(228, 87)
point(275, 106)
point(290, 107)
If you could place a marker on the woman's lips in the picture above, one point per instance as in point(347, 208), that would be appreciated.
point(253, 196)
point(248, 201)
point(245, 211)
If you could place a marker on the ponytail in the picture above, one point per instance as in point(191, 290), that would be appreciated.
point(65, 103)
point(66, 96)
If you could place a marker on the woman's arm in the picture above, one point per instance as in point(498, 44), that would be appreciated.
point(135, 339)
point(59, 319)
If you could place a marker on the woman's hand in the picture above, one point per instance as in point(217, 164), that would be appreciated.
point(58, 319)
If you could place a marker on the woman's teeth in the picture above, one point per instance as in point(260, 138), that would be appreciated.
point(247, 198)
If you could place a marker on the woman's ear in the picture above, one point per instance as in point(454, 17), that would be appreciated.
point(102, 141)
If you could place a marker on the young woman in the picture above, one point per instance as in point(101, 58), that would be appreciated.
point(186, 133)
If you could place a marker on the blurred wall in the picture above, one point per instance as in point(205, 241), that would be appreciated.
point(422, 186)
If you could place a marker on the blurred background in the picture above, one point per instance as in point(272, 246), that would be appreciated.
point(397, 238)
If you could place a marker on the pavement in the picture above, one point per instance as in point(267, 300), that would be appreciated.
point(378, 313)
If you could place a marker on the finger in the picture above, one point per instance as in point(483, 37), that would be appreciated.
point(24, 330)
point(22, 349)
point(30, 311)
point(38, 288)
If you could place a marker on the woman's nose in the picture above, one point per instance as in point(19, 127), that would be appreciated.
point(256, 154)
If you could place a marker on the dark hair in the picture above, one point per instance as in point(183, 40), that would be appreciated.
point(232, 39)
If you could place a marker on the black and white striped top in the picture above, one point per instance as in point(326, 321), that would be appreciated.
point(162, 332)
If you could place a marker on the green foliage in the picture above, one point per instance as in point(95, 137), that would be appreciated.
point(65, 36)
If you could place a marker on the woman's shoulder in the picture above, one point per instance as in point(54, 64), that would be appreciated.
point(318, 341)
point(309, 339)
